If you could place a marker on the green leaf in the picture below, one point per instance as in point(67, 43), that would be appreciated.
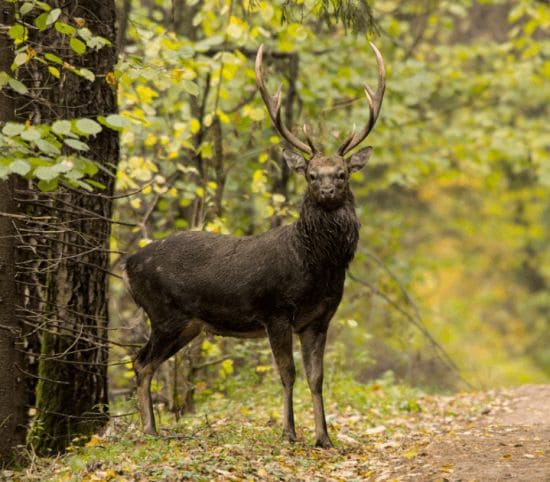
point(76, 144)
point(87, 166)
point(77, 45)
point(190, 87)
point(64, 166)
point(40, 21)
point(114, 121)
point(4, 171)
point(53, 15)
point(97, 184)
point(88, 126)
point(74, 174)
point(20, 59)
point(44, 6)
point(4, 79)
point(47, 147)
point(48, 186)
point(46, 173)
point(87, 74)
point(18, 32)
point(18, 86)
point(53, 58)
point(85, 34)
point(26, 8)
point(61, 127)
point(54, 71)
point(20, 166)
point(12, 129)
point(97, 43)
point(64, 28)
point(31, 134)
point(186, 53)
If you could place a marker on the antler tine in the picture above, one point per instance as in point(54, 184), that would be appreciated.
point(343, 148)
point(375, 102)
point(309, 140)
point(273, 105)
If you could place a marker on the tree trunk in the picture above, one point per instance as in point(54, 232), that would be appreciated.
point(73, 249)
point(12, 388)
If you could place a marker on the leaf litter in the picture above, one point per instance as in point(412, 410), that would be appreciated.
point(467, 436)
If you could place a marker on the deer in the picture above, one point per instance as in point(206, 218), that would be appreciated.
point(286, 281)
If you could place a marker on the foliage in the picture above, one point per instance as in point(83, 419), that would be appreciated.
point(51, 153)
point(454, 203)
point(240, 438)
point(36, 152)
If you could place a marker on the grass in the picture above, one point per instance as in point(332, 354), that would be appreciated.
point(237, 436)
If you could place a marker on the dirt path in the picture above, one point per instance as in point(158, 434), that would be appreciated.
point(509, 440)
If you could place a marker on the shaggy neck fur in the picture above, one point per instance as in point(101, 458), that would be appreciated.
point(328, 236)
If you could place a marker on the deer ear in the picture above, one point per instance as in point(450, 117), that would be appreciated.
point(358, 160)
point(295, 161)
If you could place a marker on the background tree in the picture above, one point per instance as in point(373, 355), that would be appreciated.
point(458, 78)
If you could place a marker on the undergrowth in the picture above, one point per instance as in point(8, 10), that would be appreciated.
point(233, 436)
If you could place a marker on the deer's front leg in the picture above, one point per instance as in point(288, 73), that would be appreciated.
point(313, 349)
point(280, 339)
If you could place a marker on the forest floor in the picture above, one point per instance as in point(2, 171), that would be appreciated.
point(510, 441)
point(381, 432)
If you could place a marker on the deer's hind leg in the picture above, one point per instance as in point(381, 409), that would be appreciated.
point(161, 346)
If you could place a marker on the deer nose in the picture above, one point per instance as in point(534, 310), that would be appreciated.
point(327, 191)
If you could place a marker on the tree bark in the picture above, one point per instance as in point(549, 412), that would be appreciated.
point(12, 388)
point(73, 249)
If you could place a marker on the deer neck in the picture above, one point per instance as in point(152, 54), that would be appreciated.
point(328, 236)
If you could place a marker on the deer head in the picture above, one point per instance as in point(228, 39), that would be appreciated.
point(327, 176)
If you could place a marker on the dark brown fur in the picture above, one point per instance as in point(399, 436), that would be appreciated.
point(286, 281)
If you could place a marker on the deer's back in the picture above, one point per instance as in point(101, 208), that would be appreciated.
point(226, 281)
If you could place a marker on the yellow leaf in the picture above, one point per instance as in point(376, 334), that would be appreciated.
point(146, 94)
point(194, 125)
point(259, 180)
point(151, 140)
point(224, 118)
point(94, 441)
point(410, 454)
point(111, 79)
point(237, 27)
point(227, 367)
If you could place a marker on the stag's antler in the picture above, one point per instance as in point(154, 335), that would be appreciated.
point(375, 102)
point(273, 105)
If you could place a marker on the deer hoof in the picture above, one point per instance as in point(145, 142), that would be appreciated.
point(290, 436)
point(150, 431)
point(324, 443)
